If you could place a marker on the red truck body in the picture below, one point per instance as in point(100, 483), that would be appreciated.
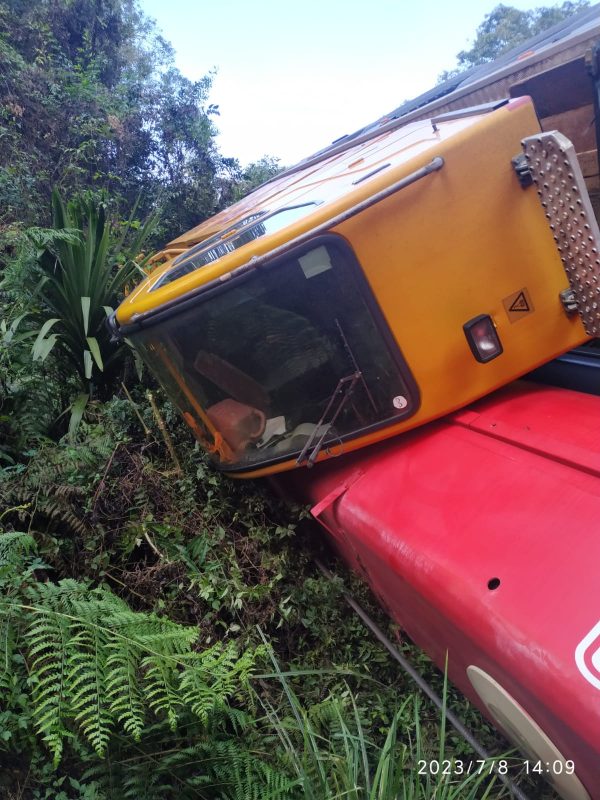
point(479, 534)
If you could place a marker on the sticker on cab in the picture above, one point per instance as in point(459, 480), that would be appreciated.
point(518, 305)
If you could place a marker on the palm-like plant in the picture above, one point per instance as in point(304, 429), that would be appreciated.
point(83, 272)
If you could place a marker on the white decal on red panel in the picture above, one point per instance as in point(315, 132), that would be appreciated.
point(587, 656)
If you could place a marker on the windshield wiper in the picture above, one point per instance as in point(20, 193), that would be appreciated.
point(348, 349)
point(345, 386)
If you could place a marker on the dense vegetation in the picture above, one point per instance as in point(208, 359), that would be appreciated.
point(163, 631)
point(91, 100)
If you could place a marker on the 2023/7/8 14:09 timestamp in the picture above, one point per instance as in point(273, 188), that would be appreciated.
point(490, 766)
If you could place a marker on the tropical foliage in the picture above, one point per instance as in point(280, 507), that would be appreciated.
point(208, 563)
point(88, 660)
point(91, 99)
point(81, 279)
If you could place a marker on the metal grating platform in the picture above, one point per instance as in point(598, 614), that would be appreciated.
point(557, 175)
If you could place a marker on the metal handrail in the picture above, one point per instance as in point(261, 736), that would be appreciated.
point(256, 261)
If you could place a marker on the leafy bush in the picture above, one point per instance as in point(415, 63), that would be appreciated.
point(59, 288)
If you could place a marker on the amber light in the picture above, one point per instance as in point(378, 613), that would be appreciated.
point(482, 338)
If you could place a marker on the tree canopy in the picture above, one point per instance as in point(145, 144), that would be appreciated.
point(506, 26)
point(91, 99)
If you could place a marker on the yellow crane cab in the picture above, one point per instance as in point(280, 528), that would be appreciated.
point(375, 287)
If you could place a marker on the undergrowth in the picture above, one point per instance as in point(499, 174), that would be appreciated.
point(132, 627)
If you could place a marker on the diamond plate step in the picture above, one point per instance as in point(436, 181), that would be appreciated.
point(563, 194)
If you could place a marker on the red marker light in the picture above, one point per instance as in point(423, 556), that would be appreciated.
point(482, 338)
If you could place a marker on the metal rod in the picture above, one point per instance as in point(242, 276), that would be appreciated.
point(433, 166)
point(423, 685)
point(357, 369)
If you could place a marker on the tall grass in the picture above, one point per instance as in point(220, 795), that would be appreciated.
point(334, 755)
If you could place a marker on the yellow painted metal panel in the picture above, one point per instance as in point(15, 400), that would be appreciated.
point(465, 241)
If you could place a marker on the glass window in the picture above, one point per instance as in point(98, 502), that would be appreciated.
point(286, 360)
point(247, 230)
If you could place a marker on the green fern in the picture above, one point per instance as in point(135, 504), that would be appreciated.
point(87, 682)
point(50, 493)
point(94, 665)
point(242, 775)
point(210, 678)
point(213, 764)
point(7, 647)
point(13, 547)
point(46, 638)
point(123, 693)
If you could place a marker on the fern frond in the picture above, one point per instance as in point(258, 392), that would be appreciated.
point(56, 508)
point(198, 694)
point(14, 546)
point(160, 680)
point(211, 678)
point(7, 646)
point(179, 771)
point(47, 636)
point(94, 663)
point(123, 692)
point(87, 682)
point(144, 781)
point(244, 776)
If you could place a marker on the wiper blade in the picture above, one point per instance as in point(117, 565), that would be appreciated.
point(344, 387)
point(348, 349)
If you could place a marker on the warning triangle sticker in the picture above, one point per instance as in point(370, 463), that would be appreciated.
point(520, 303)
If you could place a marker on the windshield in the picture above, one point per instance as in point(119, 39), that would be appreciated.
point(287, 360)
